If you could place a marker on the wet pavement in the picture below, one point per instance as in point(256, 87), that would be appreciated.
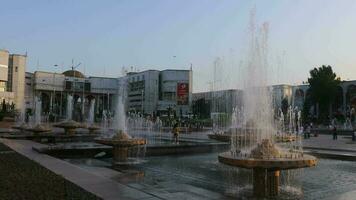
point(203, 177)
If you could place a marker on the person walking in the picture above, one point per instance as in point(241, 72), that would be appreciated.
point(334, 133)
point(175, 132)
point(307, 132)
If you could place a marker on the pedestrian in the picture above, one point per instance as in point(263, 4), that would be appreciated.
point(175, 132)
point(334, 133)
point(307, 132)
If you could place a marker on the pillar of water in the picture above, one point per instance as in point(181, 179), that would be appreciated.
point(104, 122)
point(69, 107)
point(120, 114)
point(257, 116)
point(38, 110)
point(22, 115)
point(91, 112)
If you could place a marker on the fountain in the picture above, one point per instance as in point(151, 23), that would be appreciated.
point(348, 124)
point(20, 122)
point(258, 150)
point(69, 125)
point(120, 140)
point(90, 125)
point(38, 127)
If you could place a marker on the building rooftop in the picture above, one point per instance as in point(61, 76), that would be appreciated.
point(73, 73)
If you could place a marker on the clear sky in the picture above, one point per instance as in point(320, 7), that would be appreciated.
point(158, 34)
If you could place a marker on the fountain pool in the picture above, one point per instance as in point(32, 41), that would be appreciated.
point(201, 176)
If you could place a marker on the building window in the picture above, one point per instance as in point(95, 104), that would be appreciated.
point(15, 69)
point(68, 85)
point(87, 87)
point(2, 86)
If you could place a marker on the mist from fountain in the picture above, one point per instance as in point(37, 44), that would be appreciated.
point(257, 119)
point(69, 107)
point(145, 127)
point(104, 122)
point(253, 144)
point(348, 124)
point(120, 114)
point(122, 142)
point(38, 111)
point(257, 111)
point(91, 112)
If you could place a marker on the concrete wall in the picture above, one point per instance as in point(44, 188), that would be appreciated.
point(29, 89)
point(4, 63)
point(48, 81)
point(103, 85)
point(17, 64)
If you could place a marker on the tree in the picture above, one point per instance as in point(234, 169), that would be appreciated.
point(323, 87)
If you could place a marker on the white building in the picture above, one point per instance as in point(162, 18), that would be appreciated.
point(54, 88)
point(12, 78)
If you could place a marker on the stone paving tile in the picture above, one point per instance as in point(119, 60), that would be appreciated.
point(326, 141)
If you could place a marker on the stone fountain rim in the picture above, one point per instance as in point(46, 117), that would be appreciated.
point(69, 124)
point(121, 142)
point(273, 163)
point(38, 129)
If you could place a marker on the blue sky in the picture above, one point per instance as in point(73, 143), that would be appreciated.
point(157, 34)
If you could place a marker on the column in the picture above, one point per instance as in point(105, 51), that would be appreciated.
point(265, 182)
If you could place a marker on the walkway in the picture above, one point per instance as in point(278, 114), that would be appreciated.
point(99, 183)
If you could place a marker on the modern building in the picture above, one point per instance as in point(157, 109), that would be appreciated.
point(161, 93)
point(295, 96)
point(143, 91)
point(222, 101)
point(281, 92)
point(12, 78)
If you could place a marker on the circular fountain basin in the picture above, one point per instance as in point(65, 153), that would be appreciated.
point(39, 129)
point(92, 129)
point(21, 127)
point(268, 163)
point(285, 138)
point(121, 148)
point(121, 142)
point(220, 137)
point(69, 126)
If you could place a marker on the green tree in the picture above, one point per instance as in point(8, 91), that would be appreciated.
point(323, 87)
